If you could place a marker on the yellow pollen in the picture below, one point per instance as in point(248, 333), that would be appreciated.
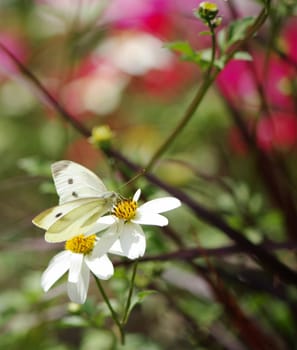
point(81, 244)
point(125, 209)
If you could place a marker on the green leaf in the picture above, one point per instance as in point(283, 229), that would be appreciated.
point(220, 63)
point(243, 55)
point(222, 39)
point(203, 59)
point(186, 51)
point(143, 294)
point(206, 32)
point(182, 47)
point(138, 298)
point(73, 321)
point(235, 32)
point(34, 166)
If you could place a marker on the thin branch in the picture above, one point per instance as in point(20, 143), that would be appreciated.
point(195, 253)
point(49, 97)
point(210, 217)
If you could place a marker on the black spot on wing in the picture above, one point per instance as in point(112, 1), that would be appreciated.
point(60, 166)
point(74, 194)
point(58, 215)
point(70, 181)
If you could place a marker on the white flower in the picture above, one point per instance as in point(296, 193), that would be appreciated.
point(135, 52)
point(82, 254)
point(124, 234)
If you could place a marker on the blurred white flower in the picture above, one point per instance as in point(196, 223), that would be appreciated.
point(100, 91)
point(135, 52)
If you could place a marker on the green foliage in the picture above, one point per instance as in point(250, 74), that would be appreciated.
point(201, 58)
point(138, 299)
point(227, 37)
point(234, 32)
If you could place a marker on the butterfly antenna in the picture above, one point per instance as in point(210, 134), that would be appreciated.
point(134, 178)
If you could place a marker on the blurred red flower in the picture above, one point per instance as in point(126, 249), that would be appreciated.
point(237, 84)
point(277, 132)
point(17, 47)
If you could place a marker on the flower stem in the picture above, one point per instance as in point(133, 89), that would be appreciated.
point(213, 49)
point(208, 80)
point(113, 313)
point(126, 312)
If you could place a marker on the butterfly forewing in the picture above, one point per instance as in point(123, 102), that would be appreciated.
point(73, 181)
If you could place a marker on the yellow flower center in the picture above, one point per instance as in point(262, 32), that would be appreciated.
point(81, 244)
point(125, 209)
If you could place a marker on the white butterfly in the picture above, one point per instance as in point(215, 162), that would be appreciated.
point(83, 199)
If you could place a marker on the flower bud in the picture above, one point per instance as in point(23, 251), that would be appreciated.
point(207, 10)
point(101, 136)
point(217, 22)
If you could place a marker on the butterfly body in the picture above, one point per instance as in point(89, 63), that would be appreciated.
point(83, 198)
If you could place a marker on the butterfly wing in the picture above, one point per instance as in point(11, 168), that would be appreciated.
point(49, 216)
point(72, 218)
point(73, 181)
point(83, 199)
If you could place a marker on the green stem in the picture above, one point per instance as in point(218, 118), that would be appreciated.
point(126, 313)
point(113, 313)
point(208, 80)
point(180, 126)
point(210, 77)
point(213, 49)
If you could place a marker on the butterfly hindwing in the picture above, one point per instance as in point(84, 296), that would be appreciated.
point(49, 216)
point(78, 220)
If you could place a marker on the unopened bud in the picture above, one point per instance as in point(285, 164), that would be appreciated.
point(101, 136)
point(207, 10)
point(217, 22)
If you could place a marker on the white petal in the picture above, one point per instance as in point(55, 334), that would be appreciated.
point(149, 218)
point(77, 292)
point(116, 248)
point(56, 269)
point(104, 243)
point(109, 239)
point(137, 195)
point(160, 205)
point(100, 266)
point(132, 241)
point(76, 262)
point(101, 224)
